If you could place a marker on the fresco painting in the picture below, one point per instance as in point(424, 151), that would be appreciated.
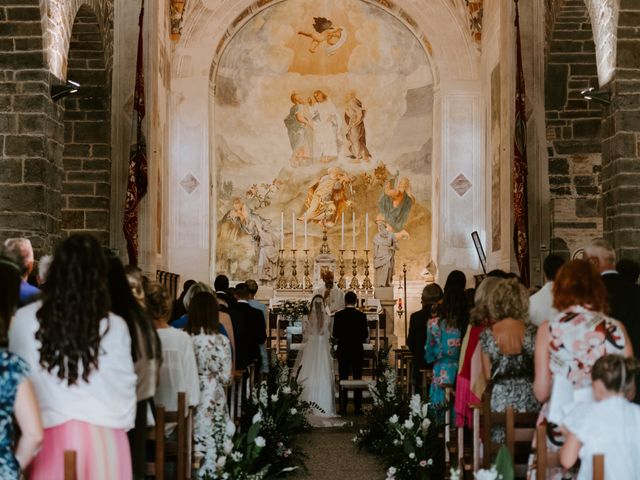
point(329, 105)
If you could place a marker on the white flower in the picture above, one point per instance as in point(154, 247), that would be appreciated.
point(230, 428)
point(419, 442)
point(236, 456)
point(393, 419)
point(412, 455)
point(220, 462)
point(455, 474)
point(274, 398)
point(354, 439)
point(293, 411)
point(260, 442)
point(425, 409)
point(391, 472)
point(430, 461)
point(227, 447)
point(286, 390)
point(486, 474)
point(256, 418)
point(425, 424)
point(415, 405)
point(225, 475)
point(408, 424)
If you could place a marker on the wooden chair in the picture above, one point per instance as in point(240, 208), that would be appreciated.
point(546, 459)
point(155, 435)
point(170, 282)
point(70, 471)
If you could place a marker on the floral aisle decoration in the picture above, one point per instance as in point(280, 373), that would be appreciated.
point(292, 310)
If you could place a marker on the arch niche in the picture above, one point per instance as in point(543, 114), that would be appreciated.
point(426, 125)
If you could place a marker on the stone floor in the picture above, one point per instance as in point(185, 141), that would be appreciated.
point(332, 455)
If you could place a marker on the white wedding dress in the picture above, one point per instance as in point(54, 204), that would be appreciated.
point(316, 366)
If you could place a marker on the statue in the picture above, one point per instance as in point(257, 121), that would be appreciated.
point(385, 246)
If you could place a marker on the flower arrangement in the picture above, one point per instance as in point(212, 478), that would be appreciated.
point(292, 310)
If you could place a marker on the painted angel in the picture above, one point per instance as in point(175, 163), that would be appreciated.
point(324, 31)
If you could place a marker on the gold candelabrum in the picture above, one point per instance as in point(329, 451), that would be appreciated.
point(293, 281)
point(342, 282)
point(306, 281)
point(282, 281)
point(354, 285)
point(366, 282)
point(325, 240)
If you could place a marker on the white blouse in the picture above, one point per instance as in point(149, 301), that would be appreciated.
point(108, 399)
point(179, 371)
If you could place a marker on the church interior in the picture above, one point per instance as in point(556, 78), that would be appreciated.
point(381, 143)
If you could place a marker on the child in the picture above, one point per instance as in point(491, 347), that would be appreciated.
point(608, 426)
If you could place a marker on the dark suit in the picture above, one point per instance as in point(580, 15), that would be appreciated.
point(350, 331)
point(416, 341)
point(624, 302)
point(249, 330)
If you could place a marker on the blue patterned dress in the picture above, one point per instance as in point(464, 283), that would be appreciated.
point(13, 371)
point(443, 350)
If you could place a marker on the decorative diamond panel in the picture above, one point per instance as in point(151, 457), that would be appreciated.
point(461, 184)
point(189, 183)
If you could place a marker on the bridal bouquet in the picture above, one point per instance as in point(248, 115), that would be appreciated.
point(292, 310)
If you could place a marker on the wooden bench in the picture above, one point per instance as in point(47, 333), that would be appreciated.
point(346, 386)
point(70, 471)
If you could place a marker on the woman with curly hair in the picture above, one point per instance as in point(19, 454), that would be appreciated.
point(79, 354)
point(507, 350)
point(16, 392)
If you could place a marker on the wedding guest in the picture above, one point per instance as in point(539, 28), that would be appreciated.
point(507, 351)
point(629, 269)
point(136, 282)
point(43, 268)
point(79, 355)
point(178, 309)
point(221, 287)
point(20, 251)
point(249, 326)
point(541, 302)
point(350, 331)
point(443, 338)
point(568, 345)
point(179, 371)
point(146, 353)
point(252, 285)
point(471, 380)
point(608, 426)
point(417, 337)
point(17, 398)
point(213, 357)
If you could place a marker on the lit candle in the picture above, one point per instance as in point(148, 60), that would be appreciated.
point(305, 231)
point(342, 234)
point(293, 231)
point(353, 224)
point(281, 230)
point(366, 231)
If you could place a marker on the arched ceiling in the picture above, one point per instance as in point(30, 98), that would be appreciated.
point(442, 26)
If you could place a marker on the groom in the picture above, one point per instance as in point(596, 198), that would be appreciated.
point(350, 331)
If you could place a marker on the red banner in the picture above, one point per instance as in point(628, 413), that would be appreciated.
point(520, 202)
point(137, 175)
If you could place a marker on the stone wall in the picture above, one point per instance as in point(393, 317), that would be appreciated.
point(621, 145)
point(31, 131)
point(573, 130)
point(87, 152)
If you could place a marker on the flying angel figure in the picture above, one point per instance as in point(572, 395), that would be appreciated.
point(325, 32)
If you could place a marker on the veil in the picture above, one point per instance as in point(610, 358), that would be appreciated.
point(317, 322)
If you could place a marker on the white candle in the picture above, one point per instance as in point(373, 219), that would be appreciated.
point(305, 231)
point(281, 230)
point(293, 231)
point(353, 235)
point(366, 230)
point(342, 234)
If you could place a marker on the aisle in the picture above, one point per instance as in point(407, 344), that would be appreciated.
point(332, 455)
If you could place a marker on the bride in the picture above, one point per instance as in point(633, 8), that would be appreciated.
point(316, 364)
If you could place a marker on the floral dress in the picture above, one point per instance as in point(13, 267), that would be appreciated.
point(443, 350)
point(213, 356)
point(13, 371)
point(512, 377)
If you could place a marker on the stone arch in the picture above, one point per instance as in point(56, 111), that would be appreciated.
point(574, 127)
point(30, 129)
point(86, 186)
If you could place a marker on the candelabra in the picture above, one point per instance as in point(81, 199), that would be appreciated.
point(293, 281)
point(325, 245)
point(282, 281)
point(306, 281)
point(354, 285)
point(404, 284)
point(342, 282)
point(366, 283)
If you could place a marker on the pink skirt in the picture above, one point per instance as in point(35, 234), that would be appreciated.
point(101, 453)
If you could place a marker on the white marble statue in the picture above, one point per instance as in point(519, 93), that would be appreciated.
point(385, 246)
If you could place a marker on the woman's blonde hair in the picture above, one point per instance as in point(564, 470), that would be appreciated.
point(509, 299)
point(480, 312)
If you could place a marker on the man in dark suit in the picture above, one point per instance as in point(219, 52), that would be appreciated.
point(624, 296)
point(417, 337)
point(249, 328)
point(221, 285)
point(350, 331)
